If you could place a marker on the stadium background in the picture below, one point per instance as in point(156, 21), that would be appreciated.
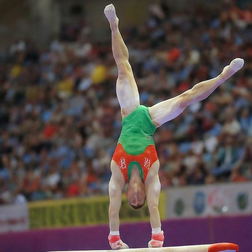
point(59, 121)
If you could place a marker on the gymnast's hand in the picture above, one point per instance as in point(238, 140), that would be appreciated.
point(157, 240)
point(115, 242)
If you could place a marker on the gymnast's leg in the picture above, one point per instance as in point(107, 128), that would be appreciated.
point(169, 109)
point(126, 88)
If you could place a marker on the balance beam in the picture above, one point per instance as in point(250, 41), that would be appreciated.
point(216, 247)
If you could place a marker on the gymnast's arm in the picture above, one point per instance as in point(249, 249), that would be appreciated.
point(115, 197)
point(116, 185)
point(153, 192)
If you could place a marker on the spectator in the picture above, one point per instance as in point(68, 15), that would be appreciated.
point(59, 119)
point(227, 157)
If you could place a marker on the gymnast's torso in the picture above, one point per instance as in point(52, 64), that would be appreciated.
point(136, 144)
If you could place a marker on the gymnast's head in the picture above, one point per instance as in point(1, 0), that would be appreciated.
point(136, 193)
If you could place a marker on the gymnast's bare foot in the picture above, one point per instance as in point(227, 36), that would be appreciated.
point(110, 14)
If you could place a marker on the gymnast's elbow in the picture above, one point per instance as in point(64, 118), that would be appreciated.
point(153, 208)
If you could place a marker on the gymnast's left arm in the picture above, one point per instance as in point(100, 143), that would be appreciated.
point(153, 192)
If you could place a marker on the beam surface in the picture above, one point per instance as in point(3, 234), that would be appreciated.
point(216, 247)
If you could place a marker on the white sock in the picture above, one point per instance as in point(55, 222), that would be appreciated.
point(232, 68)
point(114, 233)
point(237, 64)
point(156, 230)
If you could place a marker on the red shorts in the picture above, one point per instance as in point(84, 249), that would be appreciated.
point(143, 161)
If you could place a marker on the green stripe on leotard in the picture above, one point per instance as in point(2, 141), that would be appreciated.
point(131, 165)
point(137, 131)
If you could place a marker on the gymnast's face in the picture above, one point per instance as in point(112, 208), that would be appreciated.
point(136, 194)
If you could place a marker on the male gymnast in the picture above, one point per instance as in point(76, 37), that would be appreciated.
point(135, 161)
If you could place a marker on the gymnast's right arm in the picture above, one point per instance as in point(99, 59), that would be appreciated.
point(115, 197)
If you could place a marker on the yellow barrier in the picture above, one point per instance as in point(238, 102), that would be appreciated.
point(83, 211)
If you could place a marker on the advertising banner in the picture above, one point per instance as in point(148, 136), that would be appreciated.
point(82, 211)
point(14, 218)
point(68, 212)
point(211, 200)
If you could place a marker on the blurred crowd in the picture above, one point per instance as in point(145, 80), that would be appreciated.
point(60, 118)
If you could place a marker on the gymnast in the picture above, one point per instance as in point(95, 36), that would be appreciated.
point(135, 161)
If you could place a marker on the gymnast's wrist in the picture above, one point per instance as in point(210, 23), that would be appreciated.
point(114, 236)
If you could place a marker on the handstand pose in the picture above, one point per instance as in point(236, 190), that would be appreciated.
point(135, 160)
